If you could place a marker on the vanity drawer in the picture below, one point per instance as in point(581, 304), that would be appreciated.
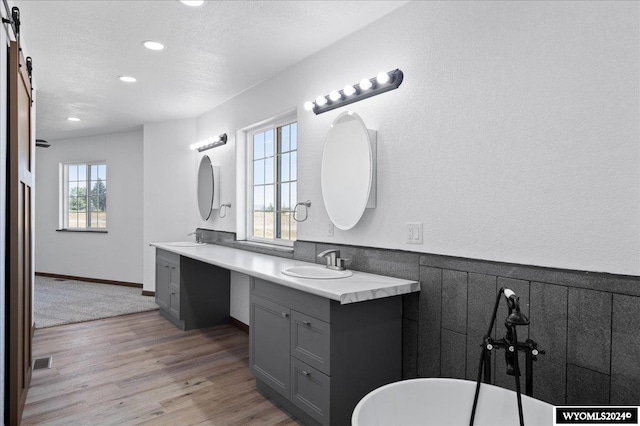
point(168, 256)
point(310, 341)
point(310, 390)
point(315, 305)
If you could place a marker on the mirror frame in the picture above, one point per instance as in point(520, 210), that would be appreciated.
point(370, 200)
point(205, 172)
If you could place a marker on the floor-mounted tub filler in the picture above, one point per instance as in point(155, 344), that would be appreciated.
point(461, 402)
point(443, 402)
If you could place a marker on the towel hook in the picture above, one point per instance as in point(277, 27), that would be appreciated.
point(223, 207)
point(306, 204)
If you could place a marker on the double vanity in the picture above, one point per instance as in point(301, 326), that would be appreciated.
point(317, 345)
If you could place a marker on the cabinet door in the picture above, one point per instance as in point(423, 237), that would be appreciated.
point(162, 284)
point(174, 303)
point(174, 278)
point(174, 290)
point(269, 344)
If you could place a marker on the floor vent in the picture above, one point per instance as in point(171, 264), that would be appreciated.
point(59, 279)
point(42, 363)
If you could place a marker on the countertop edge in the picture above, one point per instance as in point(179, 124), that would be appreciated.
point(396, 287)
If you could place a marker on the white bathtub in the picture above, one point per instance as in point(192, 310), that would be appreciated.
point(441, 402)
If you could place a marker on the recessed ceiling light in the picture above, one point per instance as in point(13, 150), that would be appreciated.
point(192, 3)
point(127, 79)
point(153, 45)
point(73, 119)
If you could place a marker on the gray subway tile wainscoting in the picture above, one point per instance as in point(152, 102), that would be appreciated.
point(588, 323)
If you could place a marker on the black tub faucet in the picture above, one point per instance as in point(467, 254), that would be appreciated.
point(512, 346)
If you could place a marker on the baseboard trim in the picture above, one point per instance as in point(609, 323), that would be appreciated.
point(90, 280)
point(148, 293)
point(239, 324)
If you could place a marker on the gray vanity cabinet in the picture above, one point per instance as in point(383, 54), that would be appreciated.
point(317, 358)
point(189, 293)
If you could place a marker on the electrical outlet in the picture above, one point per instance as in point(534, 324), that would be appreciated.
point(414, 233)
point(330, 229)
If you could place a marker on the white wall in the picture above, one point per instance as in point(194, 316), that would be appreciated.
point(514, 136)
point(112, 256)
point(170, 170)
point(238, 297)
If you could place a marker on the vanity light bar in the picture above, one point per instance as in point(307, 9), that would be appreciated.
point(383, 82)
point(209, 143)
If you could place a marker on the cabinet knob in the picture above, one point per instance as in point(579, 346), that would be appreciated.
point(306, 373)
point(166, 266)
point(307, 323)
point(284, 315)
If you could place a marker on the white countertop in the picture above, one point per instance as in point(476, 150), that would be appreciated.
point(356, 288)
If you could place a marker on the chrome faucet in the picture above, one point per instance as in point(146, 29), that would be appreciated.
point(334, 261)
point(198, 235)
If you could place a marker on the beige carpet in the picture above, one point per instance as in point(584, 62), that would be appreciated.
point(58, 302)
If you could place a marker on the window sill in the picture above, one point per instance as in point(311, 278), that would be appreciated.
point(89, 231)
point(275, 247)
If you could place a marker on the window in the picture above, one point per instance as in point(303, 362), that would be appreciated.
point(273, 186)
point(84, 196)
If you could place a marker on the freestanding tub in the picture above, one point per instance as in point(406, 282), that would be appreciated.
point(441, 402)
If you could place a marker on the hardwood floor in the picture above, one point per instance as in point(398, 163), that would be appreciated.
point(140, 369)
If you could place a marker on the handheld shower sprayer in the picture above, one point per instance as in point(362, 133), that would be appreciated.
point(515, 316)
point(512, 299)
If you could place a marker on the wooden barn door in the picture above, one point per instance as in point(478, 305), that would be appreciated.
point(20, 157)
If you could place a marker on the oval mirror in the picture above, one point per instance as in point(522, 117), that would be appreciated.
point(205, 187)
point(347, 170)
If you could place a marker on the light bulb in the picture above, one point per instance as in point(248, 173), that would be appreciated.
point(127, 79)
point(216, 139)
point(153, 45)
point(192, 147)
point(321, 101)
point(335, 95)
point(383, 78)
point(349, 90)
point(308, 105)
point(192, 3)
point(73, 119)
point(365, 84)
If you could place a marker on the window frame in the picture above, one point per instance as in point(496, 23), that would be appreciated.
point(64, 196)
point(271, 125)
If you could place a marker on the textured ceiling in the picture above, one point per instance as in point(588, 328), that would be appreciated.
point(214, 52)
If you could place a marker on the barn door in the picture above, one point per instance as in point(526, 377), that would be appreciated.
point(20, 156)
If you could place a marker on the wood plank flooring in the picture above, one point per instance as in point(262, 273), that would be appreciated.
point(140, 369)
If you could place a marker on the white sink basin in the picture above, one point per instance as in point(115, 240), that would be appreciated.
point(186, 244)
point(315, 272)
